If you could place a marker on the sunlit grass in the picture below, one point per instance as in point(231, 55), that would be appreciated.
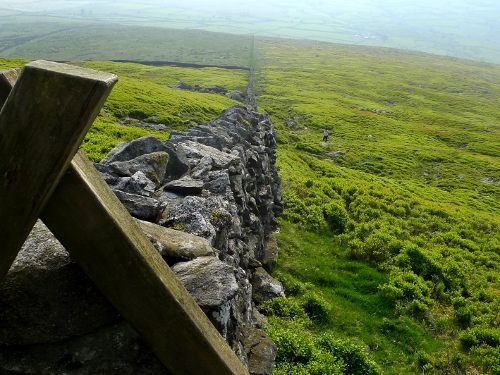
point(399, 233)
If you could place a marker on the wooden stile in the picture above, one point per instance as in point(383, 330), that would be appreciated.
point(42, 123)
point(102, 237)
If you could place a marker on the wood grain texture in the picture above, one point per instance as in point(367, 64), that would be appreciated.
point(42, 123)
point(7, 80)
point(88, 219)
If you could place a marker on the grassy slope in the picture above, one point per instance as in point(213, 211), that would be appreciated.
point(141, 93)
point(398, 239)
point(141, 96)
point(168, 75)
point(439, 124)
point(11, 63)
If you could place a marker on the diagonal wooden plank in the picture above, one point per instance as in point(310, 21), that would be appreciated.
point(42, 123)
point(88, 219)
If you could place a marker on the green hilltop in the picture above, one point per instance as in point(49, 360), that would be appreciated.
point(390, 241)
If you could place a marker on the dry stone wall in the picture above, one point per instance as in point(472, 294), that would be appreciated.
point(207, 199)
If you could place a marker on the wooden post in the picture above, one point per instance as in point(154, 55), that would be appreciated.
point(42, 123)
point(99, 233)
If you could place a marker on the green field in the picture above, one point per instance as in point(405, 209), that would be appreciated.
point(392, 246)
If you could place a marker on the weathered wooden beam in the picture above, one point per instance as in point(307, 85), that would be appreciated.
point(42, 124)
point(145, 291)
point(92, 224)
point(7, 80)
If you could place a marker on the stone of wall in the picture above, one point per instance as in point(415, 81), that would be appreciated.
point(207, 199)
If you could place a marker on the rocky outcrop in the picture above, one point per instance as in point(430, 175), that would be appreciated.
point(265, 287)
point(182, 86)
point(214, 89)
point(207, 199)
point(152, 123)
point(235, 94)
point(47, 297)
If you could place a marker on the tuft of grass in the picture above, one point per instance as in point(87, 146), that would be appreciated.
point(6, 64)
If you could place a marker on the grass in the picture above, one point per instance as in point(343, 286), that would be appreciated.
point(431, 120)
point(398, 234)
point(169, 75)
point(6, 64)
point(143, 96)
point(356, 310)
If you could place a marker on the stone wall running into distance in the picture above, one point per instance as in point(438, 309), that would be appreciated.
point(207, 198)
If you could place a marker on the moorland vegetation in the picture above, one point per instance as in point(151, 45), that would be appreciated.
point(390, 238)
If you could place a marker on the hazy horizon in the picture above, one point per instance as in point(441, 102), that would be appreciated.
point(468, 29)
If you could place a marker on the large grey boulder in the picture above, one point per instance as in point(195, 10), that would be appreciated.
point(265, 286)
point(197, 215)
point(137, 184)
point(210, 281)
point(176, 244)
point(195, 151)
point(260, 351)
point(130, 150)
point(185, 186)
point(139, 206)
point(46, 297)
point(153, 165)
point(213, 285)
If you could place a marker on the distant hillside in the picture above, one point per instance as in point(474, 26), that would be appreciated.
point(63, 40)
point(467, 29)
